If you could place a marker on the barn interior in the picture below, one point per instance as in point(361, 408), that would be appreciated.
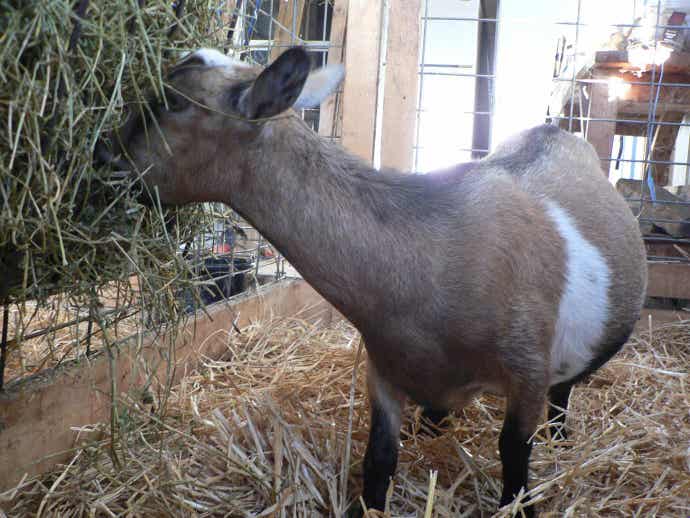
point(170, 362)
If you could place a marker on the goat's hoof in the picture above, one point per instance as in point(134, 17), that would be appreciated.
point(354, 511)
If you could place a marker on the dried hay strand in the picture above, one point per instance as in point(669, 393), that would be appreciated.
point(70, 71)
point(264, 432)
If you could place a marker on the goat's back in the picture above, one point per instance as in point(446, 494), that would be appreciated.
point(601, 233)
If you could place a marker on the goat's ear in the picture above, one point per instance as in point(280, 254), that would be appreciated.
point(277, 87)
point(320, 84)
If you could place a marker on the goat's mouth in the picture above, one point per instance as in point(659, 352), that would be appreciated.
point(104, 156)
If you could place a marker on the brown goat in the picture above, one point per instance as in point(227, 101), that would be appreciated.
point(519, 274)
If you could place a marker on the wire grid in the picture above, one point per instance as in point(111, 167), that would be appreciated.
point(573, 68)
point(228, 258)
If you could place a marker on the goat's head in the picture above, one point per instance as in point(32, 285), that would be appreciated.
point(214, 108)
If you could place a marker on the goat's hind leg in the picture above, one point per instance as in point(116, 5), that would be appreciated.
point(523, 413)
point(435, 417)
point(559, 395)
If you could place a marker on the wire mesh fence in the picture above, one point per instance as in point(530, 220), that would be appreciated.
point(213, 255)
point(620, 78)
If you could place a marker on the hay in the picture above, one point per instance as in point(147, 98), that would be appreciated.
point(70, 71)
point(263, 432)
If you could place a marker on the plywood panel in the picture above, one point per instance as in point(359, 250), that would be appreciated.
point(401, 85)
point(361, 79)
point(330, 113)
point(600, 133)
point(289, 16)
point(669, 280)
point(38, 415)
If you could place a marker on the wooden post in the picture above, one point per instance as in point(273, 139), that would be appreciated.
point(600, 133)
point(284, 16)
point(329, 114)
point(401, 85)
point(361, 76)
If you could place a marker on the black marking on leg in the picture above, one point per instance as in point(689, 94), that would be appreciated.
point(435, 416)
point(380, 459)
point(515, 449)
point(558, 405)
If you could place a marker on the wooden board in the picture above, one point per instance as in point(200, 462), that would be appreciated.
point(40, 415)
point(401, 85)
point(362, 57)
point(289, 17)
point(678, 62)
point(600, 133)
point(654, 318)
point(669, 280)
point(330, 115)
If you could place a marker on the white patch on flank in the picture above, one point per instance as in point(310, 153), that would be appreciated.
point(215, 58)
point(583, 310)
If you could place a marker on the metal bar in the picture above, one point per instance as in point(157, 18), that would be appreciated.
point(3, 343)
point(459, 74)
point(529, 20)
point(665, 239)
point(659, 220)
point(574, 74)
point(626, 121)
point(660, 202)
point(422, 62)
point(635, 83)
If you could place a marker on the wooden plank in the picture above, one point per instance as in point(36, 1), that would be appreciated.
point(39, 415)
point(288, 16)
point(330, 116)
point(362, 57)
point(655, 318)
point(600, 133)
point(401, 85)
point(669, 280)
point(678, 62)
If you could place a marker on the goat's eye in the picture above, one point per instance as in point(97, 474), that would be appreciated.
point(176, 102)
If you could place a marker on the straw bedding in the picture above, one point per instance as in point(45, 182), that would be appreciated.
point(264, 432)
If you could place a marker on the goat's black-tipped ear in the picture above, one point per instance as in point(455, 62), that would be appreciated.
point(278, 87)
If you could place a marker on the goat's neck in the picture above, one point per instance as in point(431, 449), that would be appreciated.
point(312, 200)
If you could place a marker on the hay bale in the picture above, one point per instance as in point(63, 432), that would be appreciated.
point(68, 75)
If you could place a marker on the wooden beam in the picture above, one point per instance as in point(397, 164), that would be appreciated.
point(669, 280)
point(401, 85)
point(288, 16)
point(330, 114)
point(600, 133)
point(658, 317)
point(361, 76)
point(39, 414)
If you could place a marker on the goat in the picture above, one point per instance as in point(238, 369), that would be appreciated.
point(519, 274)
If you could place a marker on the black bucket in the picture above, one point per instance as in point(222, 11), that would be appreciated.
point(227, 281)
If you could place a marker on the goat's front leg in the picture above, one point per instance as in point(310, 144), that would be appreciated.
point(523, 412)
point(381, 458)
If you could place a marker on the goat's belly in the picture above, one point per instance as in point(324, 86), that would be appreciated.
point(584, 306)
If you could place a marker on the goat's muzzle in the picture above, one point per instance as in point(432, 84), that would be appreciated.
point(104, 155)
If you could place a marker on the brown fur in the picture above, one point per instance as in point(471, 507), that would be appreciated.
point(453, 278)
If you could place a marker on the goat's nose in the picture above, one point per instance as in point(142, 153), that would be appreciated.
point(104, 155)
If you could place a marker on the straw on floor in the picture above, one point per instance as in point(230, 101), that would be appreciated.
point(264, 432)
